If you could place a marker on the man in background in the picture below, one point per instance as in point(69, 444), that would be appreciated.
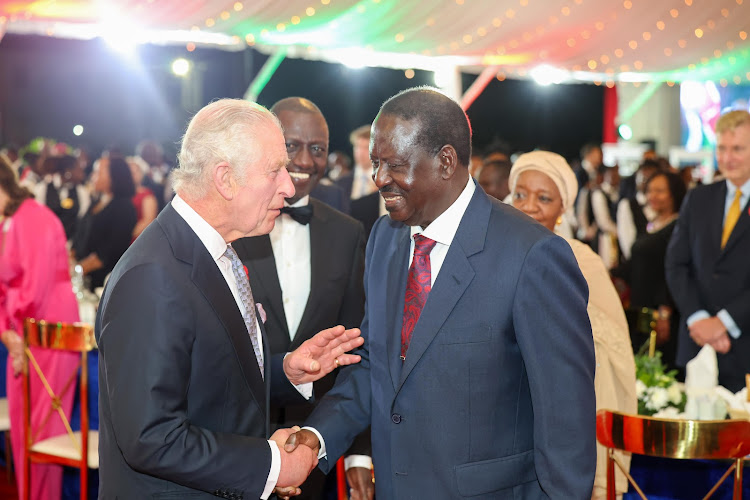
point(707, 264)
point(308, 272)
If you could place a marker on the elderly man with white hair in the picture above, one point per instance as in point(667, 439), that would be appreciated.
point(185, 371)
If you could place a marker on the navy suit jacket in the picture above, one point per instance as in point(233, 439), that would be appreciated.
point(702, 275)
point(183, 406)
point(496, 396)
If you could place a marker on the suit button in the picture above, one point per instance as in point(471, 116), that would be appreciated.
point(396, 418)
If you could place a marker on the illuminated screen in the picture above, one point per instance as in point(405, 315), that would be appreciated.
point(701, 105)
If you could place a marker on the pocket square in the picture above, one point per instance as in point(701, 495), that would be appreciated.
point(261, 312)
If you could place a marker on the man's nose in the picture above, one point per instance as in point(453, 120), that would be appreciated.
point(303, 158)
point(381, 176)
point(286, 186)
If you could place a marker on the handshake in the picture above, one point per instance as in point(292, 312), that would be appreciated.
point(297, 462)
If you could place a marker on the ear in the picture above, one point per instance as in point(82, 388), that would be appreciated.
point(223, 180)
point(448, 161)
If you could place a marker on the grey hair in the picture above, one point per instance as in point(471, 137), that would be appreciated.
point(220, 132)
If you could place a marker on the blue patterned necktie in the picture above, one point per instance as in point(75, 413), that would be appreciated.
point(246, 294)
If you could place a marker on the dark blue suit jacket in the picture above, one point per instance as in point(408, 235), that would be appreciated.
point(183, 407)
point(701, 275)
point(496, 396)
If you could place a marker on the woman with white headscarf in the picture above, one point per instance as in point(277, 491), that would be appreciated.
point(544, 186)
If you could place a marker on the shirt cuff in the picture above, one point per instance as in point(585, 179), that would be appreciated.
point(322, 453)
point(363, 461)
point(305, 389)
point(273, 474)
point(697, 316)
point(729, 324)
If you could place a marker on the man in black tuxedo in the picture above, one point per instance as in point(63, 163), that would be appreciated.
point(707, 265)
point(308, 271)
point(185, 370)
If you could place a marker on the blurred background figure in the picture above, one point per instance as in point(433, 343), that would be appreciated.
point(544, 186)
point(362, 183)
point(633, 211)
point(645, 274)
point(64, 193)
point(493, 177)
point(106, 230)
point(144, 201)
point(35, 283)
point(156, 177)
point(339, 166)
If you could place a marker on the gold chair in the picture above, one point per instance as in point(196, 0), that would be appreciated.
point(74, 449)
point(682, 439)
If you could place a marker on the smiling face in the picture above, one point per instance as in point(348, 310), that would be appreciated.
point(409, 178)
point(537, 196)
point(306, 137)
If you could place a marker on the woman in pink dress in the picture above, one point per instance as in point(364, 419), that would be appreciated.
point(34, 282)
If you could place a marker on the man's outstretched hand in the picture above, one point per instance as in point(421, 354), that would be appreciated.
point(320, 355)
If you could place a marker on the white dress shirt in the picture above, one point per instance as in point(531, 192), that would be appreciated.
point(216, 246)
point(291, 251)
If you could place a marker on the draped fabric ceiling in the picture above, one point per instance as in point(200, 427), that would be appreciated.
point(585, 40)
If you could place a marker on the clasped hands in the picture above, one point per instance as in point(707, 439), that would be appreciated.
point(711, 331)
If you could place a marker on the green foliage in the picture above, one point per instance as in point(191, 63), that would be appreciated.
point(655, 385)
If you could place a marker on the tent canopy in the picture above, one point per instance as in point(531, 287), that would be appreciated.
point(555, 40)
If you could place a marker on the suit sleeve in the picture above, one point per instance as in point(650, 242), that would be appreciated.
point(345, 412)
point(554, 335)
point(678, 265)
point(351, 314)
point(147, 332)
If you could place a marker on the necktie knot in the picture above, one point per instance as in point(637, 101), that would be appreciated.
point(299, 214)
point(423, 245)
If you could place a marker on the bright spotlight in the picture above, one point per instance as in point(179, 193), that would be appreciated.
point(78, 130)
point(545, 74)
point(444, 77)
point(625, 131)
point(181, 66)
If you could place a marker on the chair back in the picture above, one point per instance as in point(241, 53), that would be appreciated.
point(70, 337)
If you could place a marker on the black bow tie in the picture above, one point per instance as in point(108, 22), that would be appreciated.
point(300, 214)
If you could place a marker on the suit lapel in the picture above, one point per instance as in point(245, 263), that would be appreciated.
point(209, 280)
point(398, 271)
point(455, 276)
point(257, 253)
point(714, 229)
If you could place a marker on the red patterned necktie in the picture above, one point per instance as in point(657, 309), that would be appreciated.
point(418, 286)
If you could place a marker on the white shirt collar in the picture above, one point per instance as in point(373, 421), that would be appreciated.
point(444, 228)
point(209, 236)
point(731, 188)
